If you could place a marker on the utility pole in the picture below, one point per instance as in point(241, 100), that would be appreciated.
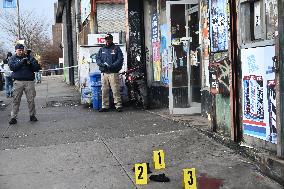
point(18, 15)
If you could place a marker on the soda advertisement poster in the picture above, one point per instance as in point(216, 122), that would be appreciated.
point(259, 95)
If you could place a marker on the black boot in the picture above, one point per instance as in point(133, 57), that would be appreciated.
point(13, 121)
point(33, 118)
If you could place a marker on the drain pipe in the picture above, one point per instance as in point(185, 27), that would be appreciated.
point(70, 42)
point(234, 92)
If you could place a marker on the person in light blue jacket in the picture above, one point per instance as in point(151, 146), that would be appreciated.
point(7, 76)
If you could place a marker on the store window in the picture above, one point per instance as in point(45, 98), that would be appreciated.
point(258, 20)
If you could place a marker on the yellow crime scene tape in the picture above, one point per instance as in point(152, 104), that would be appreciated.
point(58, 68)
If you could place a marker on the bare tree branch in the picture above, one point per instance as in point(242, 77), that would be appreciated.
point(34, 29)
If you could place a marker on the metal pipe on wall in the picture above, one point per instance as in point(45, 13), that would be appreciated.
point(70, 41)
point(234, 91)
point(280, 82)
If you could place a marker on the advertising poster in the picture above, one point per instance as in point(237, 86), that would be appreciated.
point(164, 55)
point(218, 25)
point(156, 48)
point(259, 95)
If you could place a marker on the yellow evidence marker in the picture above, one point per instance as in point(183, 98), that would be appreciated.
point(189, 179)
point(141, 173)
point(159, 159)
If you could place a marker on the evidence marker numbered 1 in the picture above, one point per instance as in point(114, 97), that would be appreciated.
point(189, 179)
point(141, 173)
point(159, 159)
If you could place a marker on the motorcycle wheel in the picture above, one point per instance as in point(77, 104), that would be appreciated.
point(143, 96)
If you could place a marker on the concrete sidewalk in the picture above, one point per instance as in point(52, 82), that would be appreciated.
point(266, 161)
point(74, 147)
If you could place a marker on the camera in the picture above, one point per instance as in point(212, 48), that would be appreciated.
point(27, 57)
point(25, 60)
point(29, 51)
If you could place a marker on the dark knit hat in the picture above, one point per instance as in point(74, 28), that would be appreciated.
point(19, 46)
point(108, 36)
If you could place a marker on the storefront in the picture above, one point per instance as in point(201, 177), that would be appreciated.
point(215, 57)
point(172, 46)
point(258, 35)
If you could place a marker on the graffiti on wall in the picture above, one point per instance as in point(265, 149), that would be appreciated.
point(259, 95)
point(164, 55)
point(218, 25)
point(156, 48)
point(224, 77)
point(271, 14)
point(220, 77)
point(213, 77)
point(147, 55)
point(134, 37)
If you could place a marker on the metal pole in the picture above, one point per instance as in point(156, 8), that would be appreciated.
point(280, 83)
point(18, 15)
point(235, 122)
point(70, 42)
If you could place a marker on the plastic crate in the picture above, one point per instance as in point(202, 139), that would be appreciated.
point(95, 79)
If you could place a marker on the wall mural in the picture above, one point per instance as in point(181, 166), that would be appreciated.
point(164, 55)
point(224, 77)
point(220, 77)
point(156, 48)
point(259, 95)
point(218, 25)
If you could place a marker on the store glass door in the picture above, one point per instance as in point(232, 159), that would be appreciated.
point(183, 77)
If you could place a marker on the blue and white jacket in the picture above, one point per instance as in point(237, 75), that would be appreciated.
point(111, 55)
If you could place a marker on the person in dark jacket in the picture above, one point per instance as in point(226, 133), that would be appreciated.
point(7, 75)
point(110, 62)
point(23, 67)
